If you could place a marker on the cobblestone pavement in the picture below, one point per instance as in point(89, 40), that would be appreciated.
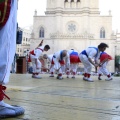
point(67, 99)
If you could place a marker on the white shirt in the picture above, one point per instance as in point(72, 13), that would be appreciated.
point(50, 57)
point(38, 51)
point(57, 57)
point(92, 53)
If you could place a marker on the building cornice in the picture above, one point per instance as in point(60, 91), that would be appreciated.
point(68, 35)
point(72, 11)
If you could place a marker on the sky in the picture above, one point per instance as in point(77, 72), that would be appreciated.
point(26, 10)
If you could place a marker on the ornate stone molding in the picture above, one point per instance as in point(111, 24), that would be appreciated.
point(68, 35)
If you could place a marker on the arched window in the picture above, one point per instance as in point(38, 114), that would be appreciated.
point(78, 0)
point(72, 0)
point(66, 0)
point(102, 33)
point(41, 33)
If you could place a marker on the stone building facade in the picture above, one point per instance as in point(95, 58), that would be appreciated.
point(23, 48)
point(73, 24)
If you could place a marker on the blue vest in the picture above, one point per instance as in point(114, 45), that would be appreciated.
point(74, 53)
point(84, 51)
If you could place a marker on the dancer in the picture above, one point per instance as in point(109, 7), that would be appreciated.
point(104, 59)
point(50, 60)
point(8, 25)
point(86, 57)
point(74, 61)
point(34, 56)
point(59, 61)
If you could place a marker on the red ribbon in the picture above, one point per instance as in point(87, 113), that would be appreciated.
point(2, 93)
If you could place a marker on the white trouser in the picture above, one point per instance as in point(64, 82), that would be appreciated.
point(86, 63)
point(73, 67)
point(36, 69)
point(63, 68)
point(103, 69)
point(57, 65)
point(52, 69)
point(8, 44)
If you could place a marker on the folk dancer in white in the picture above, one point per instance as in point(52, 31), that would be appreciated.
point(104, 59)
point(86, 57)
point(34, 56)
point(74, 61)
point(51, 67)
point(59, 61)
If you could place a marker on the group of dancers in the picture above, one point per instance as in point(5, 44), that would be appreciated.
point(68, 60)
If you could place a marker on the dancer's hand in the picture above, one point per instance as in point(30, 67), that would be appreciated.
point(96, 65)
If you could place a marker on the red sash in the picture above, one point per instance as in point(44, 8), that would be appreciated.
point(32, 52)
point(5, 6)
point(74, 59)
point(40, 49)
point(61, 62)
point(52, 62)
point(105, 56)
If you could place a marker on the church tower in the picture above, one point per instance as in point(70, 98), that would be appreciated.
point(69, 13)
point(72, 6)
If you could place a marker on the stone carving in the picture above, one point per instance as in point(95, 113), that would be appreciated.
point(68, 35)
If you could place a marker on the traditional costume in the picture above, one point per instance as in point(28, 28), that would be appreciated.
point(90, 52)
point(59, 61)
point(51, 68)
point(74, 61)
point(104, 59)
point(8, 25)
point(34, 56)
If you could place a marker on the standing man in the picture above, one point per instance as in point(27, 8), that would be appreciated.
point(8, 25)
point(34, 58)
point(87, 56)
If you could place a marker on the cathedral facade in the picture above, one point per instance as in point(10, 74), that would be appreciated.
point(73, 24)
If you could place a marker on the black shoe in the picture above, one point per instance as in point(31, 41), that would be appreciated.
point(59, 77)
point(99, 78)
point(51, 76)
point(112, 74)
point(73, 77)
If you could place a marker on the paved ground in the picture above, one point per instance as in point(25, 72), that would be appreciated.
point(67, 99)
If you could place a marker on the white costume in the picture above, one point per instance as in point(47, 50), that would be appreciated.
point(34, 56)
point(104, 59)
point(90, 52)
point(59, 61)
point(50, 59)
point(74, 61)
point(103, 69)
